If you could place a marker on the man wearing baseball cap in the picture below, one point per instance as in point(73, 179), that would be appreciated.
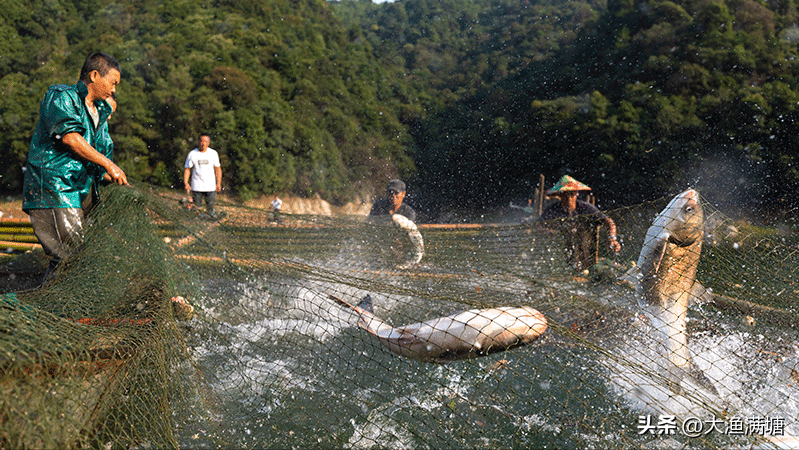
point(392, 203)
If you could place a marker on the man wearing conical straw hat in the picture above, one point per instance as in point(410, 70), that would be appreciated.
point(578, 220)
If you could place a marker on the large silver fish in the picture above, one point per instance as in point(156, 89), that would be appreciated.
point(417, 243)
point(667, 281)
point(467, 334)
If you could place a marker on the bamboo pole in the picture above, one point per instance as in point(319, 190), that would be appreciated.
point(11, 221)
point(540, 194)
point(18, 237)
point(18, 246)
point(458, 226)
point(16, 230)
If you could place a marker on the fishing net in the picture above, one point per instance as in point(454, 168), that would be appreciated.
point(106, 355)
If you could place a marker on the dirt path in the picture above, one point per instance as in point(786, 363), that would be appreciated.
point(11, 206)
point(316, 205)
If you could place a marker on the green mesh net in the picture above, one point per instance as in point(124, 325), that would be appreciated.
point(103, 356)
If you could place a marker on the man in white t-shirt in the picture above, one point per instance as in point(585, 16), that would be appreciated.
point(202, 175)
point(277, 203)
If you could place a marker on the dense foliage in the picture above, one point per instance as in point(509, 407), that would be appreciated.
point(469, 100)
point(634, 97)
point(293, 100)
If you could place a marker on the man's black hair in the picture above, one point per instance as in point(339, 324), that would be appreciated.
point(101, 62)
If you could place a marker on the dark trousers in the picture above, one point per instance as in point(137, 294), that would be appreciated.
point(59, 230)
point(209, 197)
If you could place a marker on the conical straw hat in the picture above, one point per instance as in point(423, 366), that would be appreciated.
point(567, 184)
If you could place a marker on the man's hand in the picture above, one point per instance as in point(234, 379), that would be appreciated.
point(117, 175)
point(76, 143)
point(186, 179)
point(613, 243)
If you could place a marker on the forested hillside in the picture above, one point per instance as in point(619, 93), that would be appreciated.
point(636, 98)
point(469, 100)
point(293, 99)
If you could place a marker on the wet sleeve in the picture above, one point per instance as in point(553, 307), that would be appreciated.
point(63, 113)
point(105, 146)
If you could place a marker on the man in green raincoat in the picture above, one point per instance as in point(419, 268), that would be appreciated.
point(59, 172)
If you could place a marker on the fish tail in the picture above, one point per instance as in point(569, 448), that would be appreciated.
point(691, 372)
point(340, 301)
point(675, 376)
point(701, 379)
point(366, 318)
point(366, 304)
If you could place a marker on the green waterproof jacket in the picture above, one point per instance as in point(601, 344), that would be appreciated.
point(55, 177)
point(104, 145)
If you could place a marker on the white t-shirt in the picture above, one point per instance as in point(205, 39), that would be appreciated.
point(203, 178)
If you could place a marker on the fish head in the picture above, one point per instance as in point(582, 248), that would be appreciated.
point(681, 222)
point(688, 224)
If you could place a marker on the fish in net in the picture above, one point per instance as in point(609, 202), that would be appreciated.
point(268, 359)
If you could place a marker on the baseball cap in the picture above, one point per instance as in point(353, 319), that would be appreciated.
point(396, 186)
